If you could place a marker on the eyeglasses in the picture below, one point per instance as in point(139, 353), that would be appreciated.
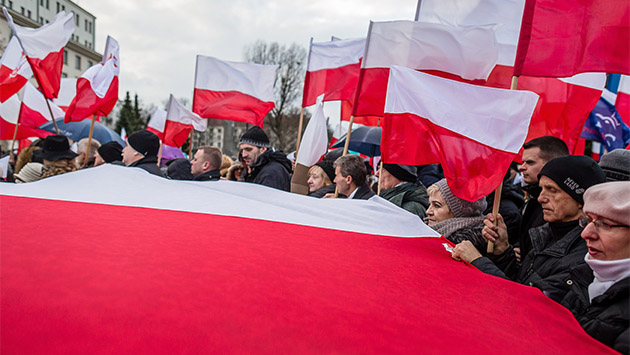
point(600, 225)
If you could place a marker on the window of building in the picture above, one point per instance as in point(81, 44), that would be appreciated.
point(41, 2)
point(76, 19)
point(90, 64)
point(90, 27)
point(28, 13)
point(63, 7)
point(48, 4)
point(41, 20)
point(47, 21)
point(77, 62)
point(65, 56)
point(10, 4)
point(86, 24)
point(22, 10)
point(58, 6)
point(64, 75)
point(2, 2)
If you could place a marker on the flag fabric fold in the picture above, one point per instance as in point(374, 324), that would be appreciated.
point(474, 132)
point(44, 48)
point(34, 111)
point(564, 38)
point(9, 115)
point(157, 122)
point(622, 103)
point(333, 70)
point(233, 91)
point(67, 92)
point(605, 126)
point(315, 138)
point(14, 70)
point(97, 88)
point(179, 122)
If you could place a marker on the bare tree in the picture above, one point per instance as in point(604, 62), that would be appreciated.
point(282, 121)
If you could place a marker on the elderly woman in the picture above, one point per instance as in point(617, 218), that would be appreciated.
point(58, 158)
point(456, 219)
point(320, 177)
point(598, 297)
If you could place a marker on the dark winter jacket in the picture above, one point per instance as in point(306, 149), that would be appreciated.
point(408, 196)
point(512, 201)
point(323, 191)
point(149, 164)
point(607, 318)
point(547, 265)
point(363, 193)
point(532, 218)
point(271, 169)
point(211, 175)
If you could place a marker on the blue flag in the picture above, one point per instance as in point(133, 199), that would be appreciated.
point(605, 126)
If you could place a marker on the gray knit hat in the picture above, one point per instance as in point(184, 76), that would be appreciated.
point(616, 165)
point(459, 207)
point(29, 173)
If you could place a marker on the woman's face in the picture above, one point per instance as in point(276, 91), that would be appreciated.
point(438, 209)
point(605, 242)
point(315, 179)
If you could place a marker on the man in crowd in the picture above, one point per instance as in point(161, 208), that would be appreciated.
point(265, 166)
point(398, 186)
point(556, 245)
point(350, 177)
point(108, 153)
point(82, 150)
point(206, 164)
point(141, 151)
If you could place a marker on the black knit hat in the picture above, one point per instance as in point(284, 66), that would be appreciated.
point(327, 166)
point(406, 173)
point(255, 136)
point(110, 151)
point(574, 174)
point(57, 147)
point(145, 143)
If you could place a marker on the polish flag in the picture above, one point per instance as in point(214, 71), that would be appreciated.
point(297, 279)
point(313, 146)
point(623, 99)
point(123, 134)
point(179, 122)
point(468, 52)
point(233, 91)
point(564, 38)
point(44, 49)
point(157, 123)
point(9, 114)
point(14, 70)
point(67, 92)
point(34, 111)
point(333, 70)
point(474, 132)
point(97, 88)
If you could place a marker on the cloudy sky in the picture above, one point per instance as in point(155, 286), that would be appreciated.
point(160, 39)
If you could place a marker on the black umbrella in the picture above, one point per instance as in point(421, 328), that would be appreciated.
point(81, 129)
point(365, 140)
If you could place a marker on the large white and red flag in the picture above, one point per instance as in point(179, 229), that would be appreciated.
point(157, 122)
point(14, 70)
point(233, 91)
point(622, 103)
point(247, 268)
point(97, 88)
point(9, 115)
point(34, 111)
point(474, 132)
point(44, 49)
point(179, 122)
point(333, 70)
point(564, 38)
point(67, 92)
point(467, 52)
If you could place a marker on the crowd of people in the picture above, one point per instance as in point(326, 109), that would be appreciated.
point(563, 224)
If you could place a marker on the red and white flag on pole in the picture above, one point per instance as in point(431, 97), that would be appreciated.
point(622, 102)
point(9, 114)
point(468, 52)
point(474, 132)
point(314, 142)
point(179, 122)
point(564, 38)
point(233, 91)
point(67, 92)
point(97, 88)
point(14, 70)
point(34, 112)
point(44, 49)
point(157, 122)
point(333, 70)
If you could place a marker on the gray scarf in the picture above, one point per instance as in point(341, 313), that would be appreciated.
point(451, 225)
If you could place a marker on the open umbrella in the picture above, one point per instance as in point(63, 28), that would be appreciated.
point(81, 129)
point(365, 140)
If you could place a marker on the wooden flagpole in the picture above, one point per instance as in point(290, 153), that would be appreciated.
point(86, 157)
point(160, 153)
point(190, 146)
point(380, 175)
point(17, 124)
point(52, 116)
point(497, 192)
point(299, 133)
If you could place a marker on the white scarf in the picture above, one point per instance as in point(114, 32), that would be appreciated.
point(606, 273)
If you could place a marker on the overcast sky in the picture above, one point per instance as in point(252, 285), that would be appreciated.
point(160, 39)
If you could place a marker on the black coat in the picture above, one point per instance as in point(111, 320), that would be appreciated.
point(363, 193)
point(323, 191)
point(211, 175)
point(149, 164)
point(607, 317)
point(271, 169)
point(532, 218)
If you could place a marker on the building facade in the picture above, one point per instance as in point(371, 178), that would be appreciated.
point(222, 134)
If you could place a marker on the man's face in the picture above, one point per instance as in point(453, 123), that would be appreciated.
point(532, 164)
point(557, 205)
point(198, 164)
point(251, 153)
point(344, 184)
point(129, 155)
point(98, 160)
point(387, 180)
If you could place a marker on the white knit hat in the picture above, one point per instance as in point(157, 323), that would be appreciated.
point(29, 173)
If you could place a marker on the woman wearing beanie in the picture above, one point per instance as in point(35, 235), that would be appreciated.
point(320, 179)
point(456, 219)
point(599, 295)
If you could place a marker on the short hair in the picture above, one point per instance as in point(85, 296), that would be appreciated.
point(82, 146)
point(321, 171)
point(352, 165)
point(433, 188)
point(212, 155)
point(550, 147)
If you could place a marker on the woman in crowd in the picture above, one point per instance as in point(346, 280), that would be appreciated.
point(456, 219)
point(58, 158)
point(320, 178)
